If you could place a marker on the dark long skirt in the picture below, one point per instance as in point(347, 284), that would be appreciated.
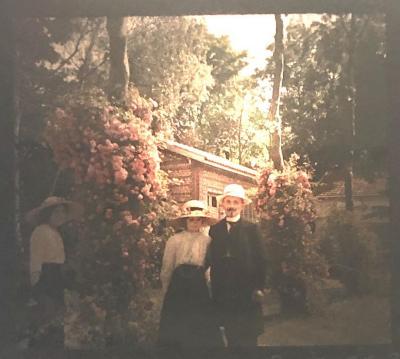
point(47, 316)
point(187, 316)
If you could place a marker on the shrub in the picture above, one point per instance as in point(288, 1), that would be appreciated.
point(351, 251)
point(286, 207)
point(113, 155)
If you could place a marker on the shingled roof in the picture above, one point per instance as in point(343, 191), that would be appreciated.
point(210, 159)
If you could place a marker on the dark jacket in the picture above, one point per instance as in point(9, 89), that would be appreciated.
point(237, 262)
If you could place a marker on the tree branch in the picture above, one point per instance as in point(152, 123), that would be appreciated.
point(72, 55)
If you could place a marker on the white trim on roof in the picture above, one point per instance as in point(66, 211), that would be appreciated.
point(210, 159)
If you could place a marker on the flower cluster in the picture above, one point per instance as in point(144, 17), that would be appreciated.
point(113, 156)
point(285, 195)
point(286, 207)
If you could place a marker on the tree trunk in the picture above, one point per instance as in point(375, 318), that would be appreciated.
point(351, 121)
point(274, 120)
point(240, 149)
point(119, 65)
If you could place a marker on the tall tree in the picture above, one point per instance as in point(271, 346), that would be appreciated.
point(274, 118)
point(354, 34)
point(119, 65)
point(315, 106)
point(349, 130)
point(230, 121)
point(169, 58)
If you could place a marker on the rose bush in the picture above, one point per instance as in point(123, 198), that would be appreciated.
point(285, 204)
point(113, 155)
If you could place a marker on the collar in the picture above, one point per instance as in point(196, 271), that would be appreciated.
point(233, 219)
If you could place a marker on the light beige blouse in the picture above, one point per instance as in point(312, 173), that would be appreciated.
point(183, 248)
point(46, 247)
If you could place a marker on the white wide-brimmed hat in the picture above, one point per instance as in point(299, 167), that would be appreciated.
point(194, 204)
point(234, 190)
point(74, 210)
point(196, 209)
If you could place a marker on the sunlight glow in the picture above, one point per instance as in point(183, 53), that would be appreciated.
point(252, 33)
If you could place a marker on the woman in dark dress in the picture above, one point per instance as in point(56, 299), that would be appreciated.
point(47, 257)
point(187, 319)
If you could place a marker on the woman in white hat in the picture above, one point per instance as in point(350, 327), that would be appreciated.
point(186, 317)
point(47, 257)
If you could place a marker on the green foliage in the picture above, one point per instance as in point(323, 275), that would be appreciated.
point(113, 156)
point(351, 251)
point(195, 79)
point(169, 64)
point(286, 206)
point(315, 101)
point(192, 76)
point(231, 123)
point(55, 56)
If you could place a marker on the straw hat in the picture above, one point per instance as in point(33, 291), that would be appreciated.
point(194, 204)
point(234, 190)
point(74, 210)
point(196, 209)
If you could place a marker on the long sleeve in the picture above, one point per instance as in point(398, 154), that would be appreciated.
point(168, 263)
point(260, 258)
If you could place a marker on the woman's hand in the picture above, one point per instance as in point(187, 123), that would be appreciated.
point(208, 281)
point(258, 296)
point(207, 275)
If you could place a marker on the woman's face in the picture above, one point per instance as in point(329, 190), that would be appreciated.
point(58, 216)
point(194, 224)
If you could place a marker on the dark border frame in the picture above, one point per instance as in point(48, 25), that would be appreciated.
point(91, 8)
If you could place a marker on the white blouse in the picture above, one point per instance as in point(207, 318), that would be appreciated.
point(46, 247)
point(183, 248)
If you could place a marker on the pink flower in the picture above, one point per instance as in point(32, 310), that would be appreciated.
point(120, 175)
point(117, 162)
point(272, 191)
point(303, 180)
point(152, 216)
point(146, 190)
point(133, 132)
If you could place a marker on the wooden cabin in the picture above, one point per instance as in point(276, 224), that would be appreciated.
point(201, 175)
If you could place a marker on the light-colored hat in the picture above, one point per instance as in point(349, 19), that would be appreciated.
point(234, 190)
point(196, 209)
point(194, 204)
point(74, 210)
